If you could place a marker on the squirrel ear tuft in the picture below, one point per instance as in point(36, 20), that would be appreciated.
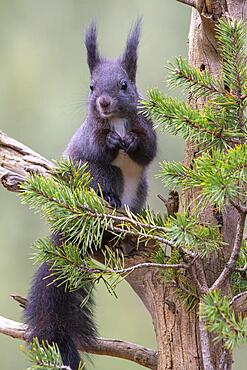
point(129, 58)
point(93, 56)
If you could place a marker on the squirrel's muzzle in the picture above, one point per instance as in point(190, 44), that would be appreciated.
point(104, 101)
point(104, 105)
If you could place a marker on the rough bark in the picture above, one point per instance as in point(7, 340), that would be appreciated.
point(181, 338)
point(203, 52)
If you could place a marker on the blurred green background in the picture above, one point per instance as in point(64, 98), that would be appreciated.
point(43, 92)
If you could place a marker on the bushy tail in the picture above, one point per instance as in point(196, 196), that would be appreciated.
point(55, 315)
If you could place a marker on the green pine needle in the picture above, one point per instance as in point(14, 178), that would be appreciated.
point(46, 356)
point(221, 320)
point(197, 83)
point(188, 231)
point(231, 35)
point(219, 176)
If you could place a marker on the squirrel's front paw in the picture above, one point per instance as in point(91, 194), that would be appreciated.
point(113, 140)
point(130, 142)
point(112, 199)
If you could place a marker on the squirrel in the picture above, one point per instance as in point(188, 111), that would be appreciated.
point(118, 143)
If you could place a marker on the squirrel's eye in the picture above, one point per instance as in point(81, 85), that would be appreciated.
point(123, 85)
point(91, 87)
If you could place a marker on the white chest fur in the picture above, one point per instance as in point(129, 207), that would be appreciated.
point(131, 170)
point(119, 125)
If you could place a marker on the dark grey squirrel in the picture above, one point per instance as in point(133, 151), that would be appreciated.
point(118, 143)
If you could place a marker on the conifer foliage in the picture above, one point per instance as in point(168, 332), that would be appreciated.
point(219, 173)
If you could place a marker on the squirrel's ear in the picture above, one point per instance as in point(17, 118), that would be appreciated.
point(93, 56)
point(129, 58)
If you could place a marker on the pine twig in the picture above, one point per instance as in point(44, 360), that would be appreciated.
point(149, 265)
point(172, 203)
point(118, 219)
point(128, 270)
point(122, 220)
point(21, 300)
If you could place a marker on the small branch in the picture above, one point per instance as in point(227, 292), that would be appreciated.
point(131, 269)
point(125, 350)
point(109, 347)
point(110, 271)
point(198, 276)
point(172, 203)
point(12, 328)
point(151, 265)
point(17, 161)
point(123, 221)
point(11, 180)
point(21, 300)
point(229, 267)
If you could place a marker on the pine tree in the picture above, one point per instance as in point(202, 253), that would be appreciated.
point(182, 244)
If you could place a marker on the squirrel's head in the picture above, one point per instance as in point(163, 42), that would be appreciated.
point(113, 91)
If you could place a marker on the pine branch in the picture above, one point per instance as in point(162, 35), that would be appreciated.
point(109, 347)
point(68, 267)
point(221, 319)
point(231, 35)
point(188, 231)
point(79, 215)
point(208, 127)
point(220, 177)
point(46, 356)
point(197, 83)
point(81, 200)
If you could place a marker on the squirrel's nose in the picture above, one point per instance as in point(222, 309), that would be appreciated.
point(104, 101)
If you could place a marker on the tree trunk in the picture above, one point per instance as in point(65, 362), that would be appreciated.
point(182, 341)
